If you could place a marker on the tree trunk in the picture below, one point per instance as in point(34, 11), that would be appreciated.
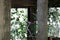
point(42, 10)
point(4, 20)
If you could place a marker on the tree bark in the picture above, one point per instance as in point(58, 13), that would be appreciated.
point(42, 10)
point(1, 19)
point(4, 19)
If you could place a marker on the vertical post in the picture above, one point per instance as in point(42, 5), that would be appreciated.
point(4, 19)
point(42, 10)
point(7, 5)
point(1, 19)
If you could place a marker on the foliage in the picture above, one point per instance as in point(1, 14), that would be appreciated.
point(53, 22)
point(20, 26)
point(18, 23)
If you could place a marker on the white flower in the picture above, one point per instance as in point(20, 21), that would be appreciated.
point(15, 15)
point(17, 25)
point(21, 19)
point(54, 23)
point(24, 9)
point(12, 27)
point(19, 30)
point(47, 22)
point(59, 17)
point(25, 34)
point(52, 9)
point(50, 19)
point(13, 10)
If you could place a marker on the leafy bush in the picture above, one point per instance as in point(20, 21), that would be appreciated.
point(54, 22)
point(18, 23)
